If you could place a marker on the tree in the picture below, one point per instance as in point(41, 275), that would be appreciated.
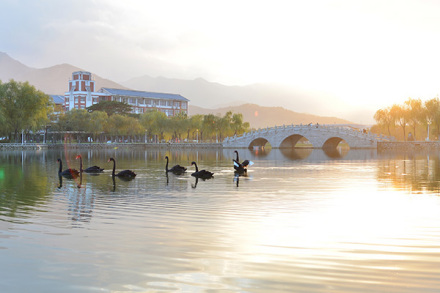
point(383, 117)
point(237, 124)
point(178, 124)
point(415, 113)
point(111, 108)
point(97, 123)
point(23, 108)
point(208, 125)
point(154, 123)
point(223, 125)
point(432, 112)
point(399, 115)
point(195, 127)
point(120, 125)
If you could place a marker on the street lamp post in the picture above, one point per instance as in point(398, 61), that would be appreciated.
point(197, 136)
point(429, 123)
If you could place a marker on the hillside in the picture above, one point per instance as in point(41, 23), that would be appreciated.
point(51, 80)
point(259, 116)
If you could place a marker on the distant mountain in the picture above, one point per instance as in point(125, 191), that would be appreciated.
point(260, 117)
point(214, 95)
point(51, 80)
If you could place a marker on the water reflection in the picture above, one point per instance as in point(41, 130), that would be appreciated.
point(336, 153)
point(295, 223)
point(417, 172)
point(195, 183)
point(296, 153)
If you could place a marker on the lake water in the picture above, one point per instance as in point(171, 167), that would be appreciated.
point(300, 221)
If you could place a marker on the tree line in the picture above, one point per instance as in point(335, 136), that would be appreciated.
point(412, 116)
point(23, 109)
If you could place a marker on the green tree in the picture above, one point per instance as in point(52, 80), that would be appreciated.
point(120, 125)
point(223, 125)
point(111, 108)
point(237, 125)
point(97, 123)
point(178, 124)
point(23, 108)
point(194, 127)
point(154, 123)
point(208, 125)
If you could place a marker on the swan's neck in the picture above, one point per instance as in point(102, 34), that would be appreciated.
point(114, 168)
point(61, 167)
point(197, 168)
point(166, 166)
point(238, 160)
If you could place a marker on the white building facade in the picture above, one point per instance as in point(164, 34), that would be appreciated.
point(82, 94)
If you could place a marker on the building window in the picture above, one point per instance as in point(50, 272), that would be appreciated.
point(76, 100)
point(184, 105)
point(83, 99)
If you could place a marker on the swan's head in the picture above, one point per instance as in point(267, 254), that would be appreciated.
point(111, 159)
point(236, 152)
point(78, 157)
point(58, 160)
point(193, 163)
point(166, 157)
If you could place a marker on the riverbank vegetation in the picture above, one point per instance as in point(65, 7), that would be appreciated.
point(421, 119)
point(26, 113)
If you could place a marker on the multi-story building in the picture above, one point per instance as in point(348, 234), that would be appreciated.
point(82, 94)
point(141, 102)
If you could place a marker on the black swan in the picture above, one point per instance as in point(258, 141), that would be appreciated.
point(241, 168)
point(126, 174)
point(177, 169)
point(203, 174)
point(68, 173)
point(93, 169)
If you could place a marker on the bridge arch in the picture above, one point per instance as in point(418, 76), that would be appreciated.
point(259, 142)
point(292, 140)
point(332, 142)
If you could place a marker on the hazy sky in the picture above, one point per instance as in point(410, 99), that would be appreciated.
point(366, 54)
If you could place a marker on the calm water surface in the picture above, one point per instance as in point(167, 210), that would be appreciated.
point(302, 221)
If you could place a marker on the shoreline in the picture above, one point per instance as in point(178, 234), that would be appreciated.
point(381, 146)
point(45, 146)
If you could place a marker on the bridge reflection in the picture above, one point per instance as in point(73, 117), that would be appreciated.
point(305, 154)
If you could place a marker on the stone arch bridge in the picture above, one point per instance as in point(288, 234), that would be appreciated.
point(320, 136)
